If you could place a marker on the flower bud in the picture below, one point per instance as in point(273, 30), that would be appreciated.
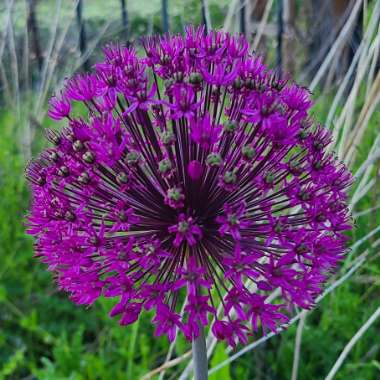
point(78, 145)
point(63, 171)
point(230, 126)
point(88, 157)
point(164, 166)
point(195, 170)
point(122, 178)
point(214, 159)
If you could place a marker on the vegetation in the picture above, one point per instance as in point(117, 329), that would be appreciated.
point(44, 336)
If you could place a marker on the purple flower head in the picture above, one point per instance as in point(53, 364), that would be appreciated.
point(184, 104)
point(203, 132)
point(197, 175)
point(59, 108)
point(185, 230)
point(82, 87)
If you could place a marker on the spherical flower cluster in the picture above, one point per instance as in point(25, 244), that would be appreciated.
point(196, 178)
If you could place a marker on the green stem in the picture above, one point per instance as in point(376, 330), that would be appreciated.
point(131, 351)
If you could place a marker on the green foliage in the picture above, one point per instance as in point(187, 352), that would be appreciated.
point(220, 356)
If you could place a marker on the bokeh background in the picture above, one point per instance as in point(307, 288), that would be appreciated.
point(330, 46)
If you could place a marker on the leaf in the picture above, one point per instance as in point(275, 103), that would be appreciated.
point(220, 356)
point(3, 293)
point(12, 363)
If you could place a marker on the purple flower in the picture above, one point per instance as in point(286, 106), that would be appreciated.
point(167, 322)
point(222, 75)
point(197, 308)
point(184, 104)
point(195, 170)
point(266, 313)
point(142, 99)
point(203, 132)
point(185, 230)
point(59, 108)
point(198, 177)
point(240, 265)
point(233, 220)
point(231, 331)
point(193, 277)
point(82, 87)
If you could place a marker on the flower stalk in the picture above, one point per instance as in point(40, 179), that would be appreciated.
point(200, 355)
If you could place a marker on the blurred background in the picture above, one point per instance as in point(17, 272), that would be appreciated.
point(330, 46)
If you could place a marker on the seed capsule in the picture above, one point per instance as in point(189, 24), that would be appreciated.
point(195, 78)
point(167, 137)
point(238, 84)
point(175, 194)
point(122, 178)
point(230, 126)
point(318, 145)
point(84, 178)
point(69, 216)
point(88, 157)
point(132, 158)
point(78, 145)
point(214, 159)
point(248, 152)
point(41, 180)
point(164, 166)
point(305, 195)
point(63, 171)
point(122, 216)
point(269, 178)
point(53, 156)
point(183, 226)
point(303, 134)
point(230, 177)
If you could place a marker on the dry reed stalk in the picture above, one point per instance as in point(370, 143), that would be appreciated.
point(368, 109)
point(351, 344)
point(346, 118)
point(297, 346)
point(337, 46)
point(263, 22)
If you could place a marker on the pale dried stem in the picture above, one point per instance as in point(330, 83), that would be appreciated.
point(369, 107)
point(338, 44)
point(49, 51)
point(167, 365)
point(346, 118)
point(14, 63)
point(297, 347)
point(262, 25)
point(93, 44)
point(361, 51)
point(375, 60)
point(351, 344)
point(230, 15)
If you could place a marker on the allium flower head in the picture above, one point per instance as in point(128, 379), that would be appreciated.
point(196, 179)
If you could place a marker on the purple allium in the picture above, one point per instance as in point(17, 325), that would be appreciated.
point(196, 176)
